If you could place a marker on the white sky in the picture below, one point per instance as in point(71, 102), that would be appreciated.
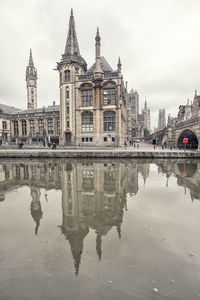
point(157, 41)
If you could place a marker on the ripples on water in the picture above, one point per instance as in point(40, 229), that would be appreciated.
point(100, 229)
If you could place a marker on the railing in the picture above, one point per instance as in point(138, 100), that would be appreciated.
point(85, 77)
point(110, 74)
point(98, 75)
point(188, 122)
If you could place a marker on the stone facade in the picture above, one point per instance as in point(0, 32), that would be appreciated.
point(92, 102)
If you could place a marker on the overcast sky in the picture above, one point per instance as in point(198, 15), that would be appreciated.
point(158, 42)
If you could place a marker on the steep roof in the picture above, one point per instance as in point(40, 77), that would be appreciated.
point(8, 109)
point(104, 65)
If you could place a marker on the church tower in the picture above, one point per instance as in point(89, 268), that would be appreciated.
point(70, 66)
point(31, 83)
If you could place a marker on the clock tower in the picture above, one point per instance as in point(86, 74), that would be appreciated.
point(31, 84)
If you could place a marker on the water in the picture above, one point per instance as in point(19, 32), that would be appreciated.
point(99, 229)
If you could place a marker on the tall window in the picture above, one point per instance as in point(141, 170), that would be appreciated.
point(58, 126)
point(32, 127)
point(87, 121)
point(24, 131)
point(50, 126)
point(109, 96)
point(4, 125)
point(41, 126)
point(16, 128)
point(109, 121)
point(67, 92)
point(67, 75)
point(60, 77)
point(86, 97)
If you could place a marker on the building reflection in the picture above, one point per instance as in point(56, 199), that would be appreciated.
point(94, 193)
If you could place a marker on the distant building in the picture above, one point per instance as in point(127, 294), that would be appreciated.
point(161, 119)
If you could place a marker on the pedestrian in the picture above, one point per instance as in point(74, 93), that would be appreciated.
point(125, 144)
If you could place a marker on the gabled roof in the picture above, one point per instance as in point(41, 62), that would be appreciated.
point(104, 66)
point(8, 109)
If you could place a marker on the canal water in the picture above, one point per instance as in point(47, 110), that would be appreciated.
point(99, 229)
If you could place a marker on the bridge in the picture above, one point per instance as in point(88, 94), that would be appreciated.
point(173, 135)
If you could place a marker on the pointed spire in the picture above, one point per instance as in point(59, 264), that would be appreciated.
point(31, 64)
point(98, 246)
point(97, 35)
point(72, 47)
point(119, 65)
point(98, 69)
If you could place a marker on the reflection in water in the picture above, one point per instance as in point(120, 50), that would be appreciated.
point(94, 193)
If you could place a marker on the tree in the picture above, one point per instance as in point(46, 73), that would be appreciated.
point(146, 131)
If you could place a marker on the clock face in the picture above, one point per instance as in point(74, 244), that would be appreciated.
point(32, 82)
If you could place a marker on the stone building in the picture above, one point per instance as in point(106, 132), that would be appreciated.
point(93, 101)
point(92, 109)
point(161, 119)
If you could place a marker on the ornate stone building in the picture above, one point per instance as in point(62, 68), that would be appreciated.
point(93, 101)
point(92, 108)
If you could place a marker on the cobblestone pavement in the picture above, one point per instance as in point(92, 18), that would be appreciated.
point(139, 147)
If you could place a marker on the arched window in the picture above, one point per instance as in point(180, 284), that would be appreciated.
point(109, 96)
point(67, 75)
point(50, 126)
point(16, 128)
point(32, 127)
point(87, 121)
point(67, 92)
point(109, 121)
point(86, 97)
point(41, 126)
point(24, 131)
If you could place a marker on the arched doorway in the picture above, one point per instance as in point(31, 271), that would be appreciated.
point(192, 140)
point(68, 138)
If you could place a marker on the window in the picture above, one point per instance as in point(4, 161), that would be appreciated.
point(91, 139)
point(41, 126)
point(58, 126)
point(60, 77)
point(105, 139)
point(4, 125)
point(109, 96)
point(32, 127)
point(32, 92)
point(50, 126)
point(86, 139)
point(68, 109)
point(16, 128)
point(83, 140)
point(67, 93)
point(24, 131)
point(109, 121)
point(87, 121)
point(88, 180)
point(86, 97)
point(67, 75)
point(67, 124)
point(113, 139)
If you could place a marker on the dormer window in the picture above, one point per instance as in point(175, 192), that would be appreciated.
point(67, 75)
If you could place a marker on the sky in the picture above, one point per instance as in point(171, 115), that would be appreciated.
point(157, 41)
